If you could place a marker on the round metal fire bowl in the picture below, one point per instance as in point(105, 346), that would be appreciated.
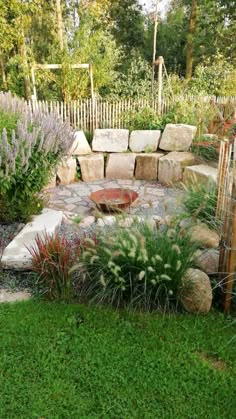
point(113, 199)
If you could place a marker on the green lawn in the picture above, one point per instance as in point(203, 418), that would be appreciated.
point(73, 361)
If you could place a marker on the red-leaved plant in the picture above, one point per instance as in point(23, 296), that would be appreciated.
point(52, 259)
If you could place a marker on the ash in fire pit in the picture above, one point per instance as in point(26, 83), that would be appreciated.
point(113, 199)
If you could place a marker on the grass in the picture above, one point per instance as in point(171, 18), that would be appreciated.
point(73, 361)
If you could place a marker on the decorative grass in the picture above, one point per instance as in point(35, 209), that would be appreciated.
point(139, 267)
point(72, 361)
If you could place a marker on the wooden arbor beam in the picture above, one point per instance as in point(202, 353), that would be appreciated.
point(58, 67)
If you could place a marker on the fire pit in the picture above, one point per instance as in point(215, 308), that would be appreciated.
point(113, 199)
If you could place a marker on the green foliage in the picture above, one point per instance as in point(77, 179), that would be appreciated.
point(52, 260)
point(89, 136)
point(215, 78)
point(87, 362)
point(145, 118)
point(142, 267)
point(201, 201)
point(205, 149)
point(134, 80)
point(77, 219)
point(129, 35)
point(193, 111)
point(8, 120)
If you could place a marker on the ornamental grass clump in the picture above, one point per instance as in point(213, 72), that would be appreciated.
point(200, 202)
point(52, 260)
point(140, 267)
point(29, 154)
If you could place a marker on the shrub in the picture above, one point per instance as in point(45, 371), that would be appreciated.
point(205, 149)
point(28, 157)
point(144, 119)
point(52, 260)
point(140, 266)
point(201, 201)
point(193, 111)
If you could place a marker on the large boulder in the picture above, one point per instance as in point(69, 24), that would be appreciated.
point(207, 260)
point(110, 140)
point(147, 166)
point(145, 140)
point(66, 171)
point(202, 234)
point(120, 166)
point(196, 292)
point(200, 173)
point(80, 145)
point(172, 165)
point(92, 167)
point(177, 137)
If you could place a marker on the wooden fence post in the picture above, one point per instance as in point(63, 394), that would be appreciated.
point(231, 260)
point(160, 70)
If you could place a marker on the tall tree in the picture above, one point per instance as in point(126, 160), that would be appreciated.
point(59, 24)
point(189, 46)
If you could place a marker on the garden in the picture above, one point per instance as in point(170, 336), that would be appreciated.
point(121, 294)
point(117, 209)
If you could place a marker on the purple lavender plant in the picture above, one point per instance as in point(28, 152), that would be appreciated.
point(28, 155)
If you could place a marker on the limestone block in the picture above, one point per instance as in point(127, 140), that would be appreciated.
point(196, 293)
point(200, 173)
point(120, 166)
point(7, 296)
point(66, 172)
point(80, 145)
point(92, 167)
point(145, 140)
point(110, 140)
point(177, 137)
point(172, 165)
point(16, 255)
point(147, 166)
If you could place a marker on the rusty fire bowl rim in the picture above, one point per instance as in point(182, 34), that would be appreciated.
point(128, 195)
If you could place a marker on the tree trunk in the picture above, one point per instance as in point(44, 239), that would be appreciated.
point(59, 24)
point(191, 32)
point(154, 47)
point(25, 66)
point(3, 72)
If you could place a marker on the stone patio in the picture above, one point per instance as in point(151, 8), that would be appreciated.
point(154, 198)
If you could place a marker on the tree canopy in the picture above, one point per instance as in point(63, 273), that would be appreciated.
point(116, 36)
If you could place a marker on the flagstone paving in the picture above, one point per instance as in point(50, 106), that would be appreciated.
point(153, 198)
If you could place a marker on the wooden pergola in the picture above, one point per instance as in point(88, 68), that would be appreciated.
point(57, 67)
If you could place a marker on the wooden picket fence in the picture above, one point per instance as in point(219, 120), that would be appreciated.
point(226, 212)
point(88, 114)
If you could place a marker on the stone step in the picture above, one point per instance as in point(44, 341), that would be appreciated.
point(16, 256)
point(200, 173)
